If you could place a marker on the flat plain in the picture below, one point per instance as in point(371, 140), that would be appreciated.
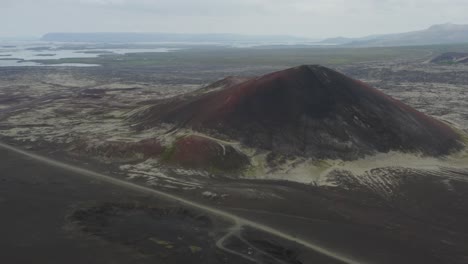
point(392, 208)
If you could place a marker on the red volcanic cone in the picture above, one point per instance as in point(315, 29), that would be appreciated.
point(310, 111)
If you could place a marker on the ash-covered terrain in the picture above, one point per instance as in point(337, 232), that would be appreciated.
point(308, 151)
point(52, 215)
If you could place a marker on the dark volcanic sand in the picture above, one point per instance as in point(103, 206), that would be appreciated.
point(54, 216)
point(35, 200)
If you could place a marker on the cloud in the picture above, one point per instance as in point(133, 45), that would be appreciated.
point(313, 18)
point(187, 7)
point(104, 2)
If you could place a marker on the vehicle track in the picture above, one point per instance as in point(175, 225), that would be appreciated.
point(211, 210)
point(234, 230)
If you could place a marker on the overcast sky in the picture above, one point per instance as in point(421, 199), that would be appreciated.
point(309, 18)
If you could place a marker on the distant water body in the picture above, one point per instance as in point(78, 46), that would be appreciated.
point(21, 54)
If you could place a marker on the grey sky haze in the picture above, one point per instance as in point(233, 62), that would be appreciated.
point(308, 18)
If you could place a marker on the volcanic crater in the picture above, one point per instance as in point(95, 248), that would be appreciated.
point(309, 111)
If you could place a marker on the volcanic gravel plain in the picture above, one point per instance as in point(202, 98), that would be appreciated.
point(385, 208)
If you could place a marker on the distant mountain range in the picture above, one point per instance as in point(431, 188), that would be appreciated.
point(437, 34)
point(123, 37)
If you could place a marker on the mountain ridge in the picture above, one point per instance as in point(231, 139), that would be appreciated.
point(134, 37)
point(434, 35)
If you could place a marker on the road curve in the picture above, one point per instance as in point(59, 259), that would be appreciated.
point(211, 210)
point(232, 231)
